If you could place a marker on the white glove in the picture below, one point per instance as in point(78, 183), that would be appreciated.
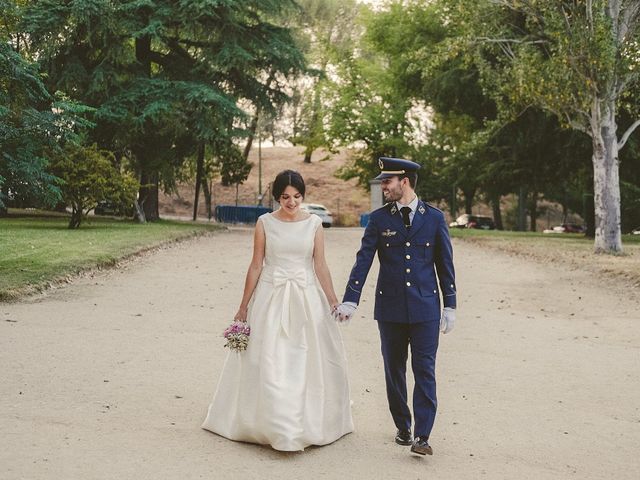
point(448, 319)
point(344, 312)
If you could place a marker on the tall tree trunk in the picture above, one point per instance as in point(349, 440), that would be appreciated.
point(4, 191)
point(253, 128)
point(295, 121)
point(199, 176)
point(533, 211)
point(522, 209)
point(207, 196)
point(76, 218)
point(148, 195)
point(272, 131)
point(138, 212)
point(313, 127)
point(454, 203)
point(497, 213)
point(469, 195)
point(307, 154)
point(149, 177)
point(565, 204)
point(252, 133)
point(606, 180)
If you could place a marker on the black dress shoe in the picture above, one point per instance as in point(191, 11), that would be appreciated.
point(403, 437)
point(421, 446)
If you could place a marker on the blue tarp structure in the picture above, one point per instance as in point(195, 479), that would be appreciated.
point(240, 214)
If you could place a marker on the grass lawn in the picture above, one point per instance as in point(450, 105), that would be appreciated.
point(37, 249)
point(572, 250)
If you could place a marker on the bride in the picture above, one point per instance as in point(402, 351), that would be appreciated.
point(289, 389)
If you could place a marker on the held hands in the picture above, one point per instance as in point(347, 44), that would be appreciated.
point(344, 311)
point(448, 319)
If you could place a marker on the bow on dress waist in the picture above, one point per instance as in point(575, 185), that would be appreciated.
point(288, 290)
point(282, 276)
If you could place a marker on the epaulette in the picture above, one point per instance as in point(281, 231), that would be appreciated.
point(432, 207)
point(384, 207)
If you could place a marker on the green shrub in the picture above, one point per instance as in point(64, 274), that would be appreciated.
point(89, 176)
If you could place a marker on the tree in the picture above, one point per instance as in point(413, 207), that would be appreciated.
point(26, 123)
point(496, 62)
point(327, 29)
point(23, 121)
point(33, 124)
point(533, 156)
point(88, 176)
point(629, 179)
point(413, 38)
point(165, 77)
point(578, 60)
point(367, 111)
point(234, 168)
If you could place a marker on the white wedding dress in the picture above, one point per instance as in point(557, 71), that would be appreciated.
point(289, 389)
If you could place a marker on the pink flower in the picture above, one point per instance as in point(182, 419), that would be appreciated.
point(237, 336)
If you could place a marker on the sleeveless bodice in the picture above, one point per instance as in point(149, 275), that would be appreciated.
point(289, 247)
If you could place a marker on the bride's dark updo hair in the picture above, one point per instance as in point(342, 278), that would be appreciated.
point(285, 178)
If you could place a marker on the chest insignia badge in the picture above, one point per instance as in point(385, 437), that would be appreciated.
point(388, 233)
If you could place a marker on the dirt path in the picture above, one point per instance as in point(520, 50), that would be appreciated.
point(110, 377)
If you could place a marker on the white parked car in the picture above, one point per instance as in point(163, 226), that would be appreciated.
point(321, 211)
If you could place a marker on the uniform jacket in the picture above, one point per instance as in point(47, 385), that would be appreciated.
point(408, 290)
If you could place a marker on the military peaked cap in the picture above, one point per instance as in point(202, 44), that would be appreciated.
point(391, 167)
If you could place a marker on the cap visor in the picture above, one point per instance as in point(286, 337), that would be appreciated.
point(384, 175)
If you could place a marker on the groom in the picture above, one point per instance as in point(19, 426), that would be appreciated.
point(412, 242)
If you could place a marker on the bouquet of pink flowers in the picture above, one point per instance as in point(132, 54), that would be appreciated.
point(237, 336)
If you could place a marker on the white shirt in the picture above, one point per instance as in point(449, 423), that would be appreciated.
point(413, 205)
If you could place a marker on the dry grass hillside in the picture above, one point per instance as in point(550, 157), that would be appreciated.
point(344, 198)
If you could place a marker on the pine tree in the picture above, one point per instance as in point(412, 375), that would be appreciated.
point(33, 123)
point(165, 77)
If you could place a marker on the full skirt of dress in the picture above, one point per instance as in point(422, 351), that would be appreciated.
point(289, 389)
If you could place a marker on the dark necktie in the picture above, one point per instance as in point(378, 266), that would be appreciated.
point(405, 211)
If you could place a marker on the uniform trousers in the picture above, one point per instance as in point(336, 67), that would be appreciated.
point(395, 338)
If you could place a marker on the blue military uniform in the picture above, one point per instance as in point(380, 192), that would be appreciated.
point(407, 305)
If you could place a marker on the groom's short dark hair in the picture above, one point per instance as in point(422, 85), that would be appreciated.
point(283, 180)
point(413, 179)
